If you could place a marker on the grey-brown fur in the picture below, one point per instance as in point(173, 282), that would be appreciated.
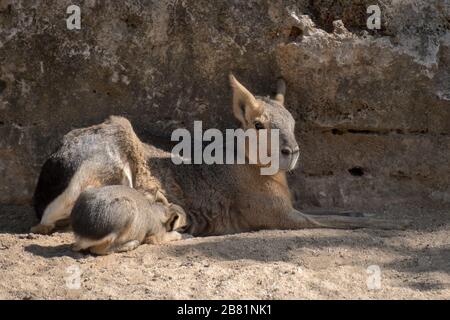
point(90, 157)
point(218, 199)
point(119, 218)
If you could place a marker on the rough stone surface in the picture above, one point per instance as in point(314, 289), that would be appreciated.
point(372, 108)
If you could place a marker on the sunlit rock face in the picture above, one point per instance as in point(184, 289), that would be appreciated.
point(372, 106)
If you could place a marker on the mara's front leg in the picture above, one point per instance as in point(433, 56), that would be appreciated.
point(294, 219)
point(262, 212)
point(163, 237)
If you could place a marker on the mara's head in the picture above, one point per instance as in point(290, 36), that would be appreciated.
point(254, 112)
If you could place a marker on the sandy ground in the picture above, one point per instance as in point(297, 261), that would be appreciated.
point(303, 264)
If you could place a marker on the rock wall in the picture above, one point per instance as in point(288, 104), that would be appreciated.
point(372, 107)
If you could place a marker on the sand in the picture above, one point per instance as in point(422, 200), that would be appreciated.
point(298, 264)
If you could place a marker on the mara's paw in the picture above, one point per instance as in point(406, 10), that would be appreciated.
point(185, 236)
point(172, 236)
point(42, 229)
point(385, 224)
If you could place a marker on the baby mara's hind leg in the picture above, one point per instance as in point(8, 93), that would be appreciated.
point(128, 246)
point(101, 247)
point(164, 237)
point(104, 246)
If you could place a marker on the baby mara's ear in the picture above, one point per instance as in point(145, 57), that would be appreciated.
point(176, 218)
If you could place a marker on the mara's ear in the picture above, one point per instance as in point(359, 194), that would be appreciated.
point(172, 222)
point(245, 105)
point(177, 218)
point(281, 91)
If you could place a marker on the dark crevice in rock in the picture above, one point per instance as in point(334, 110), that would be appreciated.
point(7, 9)
point(132, 21)
point(2, 86)
point(341, 131)
point(356, 171)
point(382, 132)
point(319, 174)
point(337, 131)
point(296, 34)
point(400, 175)
point(358, 131)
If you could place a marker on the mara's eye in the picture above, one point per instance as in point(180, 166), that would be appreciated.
point(258, 125)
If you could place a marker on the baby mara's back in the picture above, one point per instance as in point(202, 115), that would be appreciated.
point(115, 218)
